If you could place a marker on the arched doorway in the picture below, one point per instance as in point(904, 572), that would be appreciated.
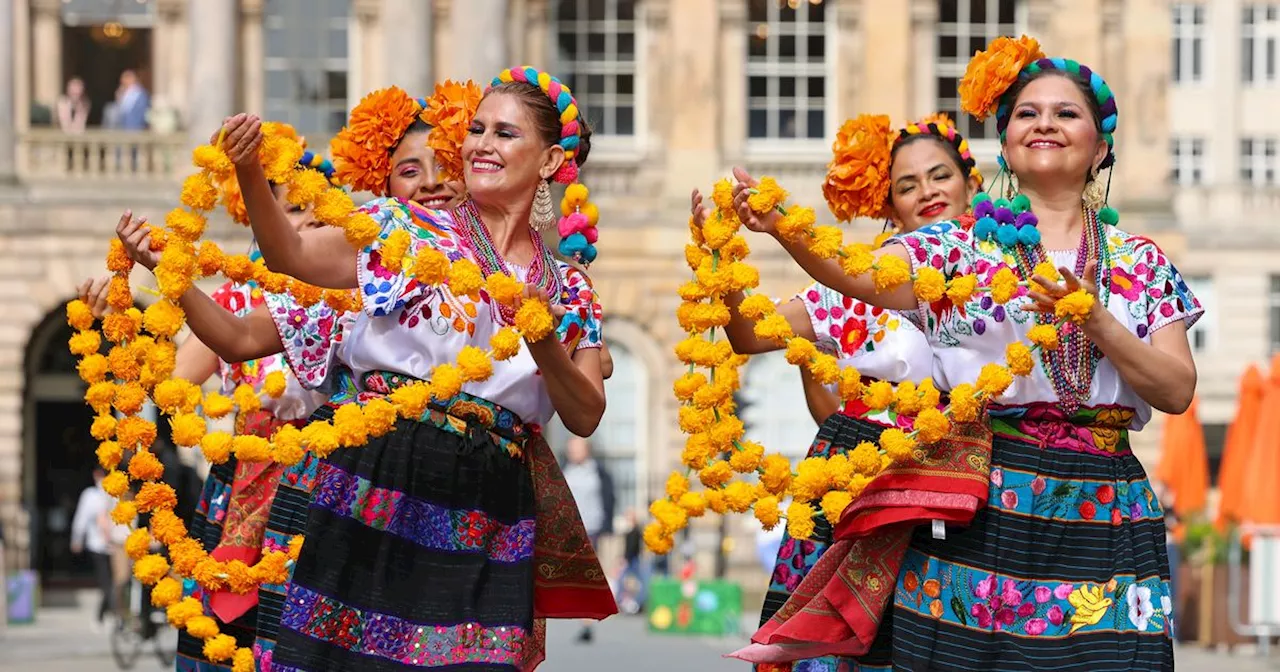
point(58, 452)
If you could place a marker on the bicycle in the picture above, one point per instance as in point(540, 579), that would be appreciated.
point(139, 624)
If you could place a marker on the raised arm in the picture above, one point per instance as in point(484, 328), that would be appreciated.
point(232, 338)
point(741, 331)
point(575, 382)
point(825, 271)
point(320, 256)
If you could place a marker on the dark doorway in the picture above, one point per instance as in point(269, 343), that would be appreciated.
point(98, 54)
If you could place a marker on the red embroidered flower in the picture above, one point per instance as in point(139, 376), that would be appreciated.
point(1105, 494)
point(1088, 511)
point(854, 334)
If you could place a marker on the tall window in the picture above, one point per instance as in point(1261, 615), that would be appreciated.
point(965, 27)
point(1258, 161)
point(617, 441)
point(776, 414)
point(596, 56)
point(1202, 334)
point(306, 64)
point(1259, 32)
point(787, 69)
point(1186, 159)
point(1273, 303)
point(1188, 42)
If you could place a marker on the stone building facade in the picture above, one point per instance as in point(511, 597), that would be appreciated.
point(679, 92)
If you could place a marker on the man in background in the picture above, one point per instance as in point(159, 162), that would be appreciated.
point(90, 533)
point(592, 489)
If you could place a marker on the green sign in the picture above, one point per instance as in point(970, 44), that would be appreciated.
point(694, 607)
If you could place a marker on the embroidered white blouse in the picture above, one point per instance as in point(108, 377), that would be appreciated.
point(409, 328)
point(878, 342)
point(1145, 293)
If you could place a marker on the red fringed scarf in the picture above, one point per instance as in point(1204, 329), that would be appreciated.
point(837, 609)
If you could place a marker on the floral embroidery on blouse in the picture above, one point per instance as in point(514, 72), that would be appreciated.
point(846, 326)
point(1153, 291)
point(580, 326)
point(309, 334)
point(240, 300)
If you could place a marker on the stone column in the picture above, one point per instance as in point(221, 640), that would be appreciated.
point(7, 144)
point(923, 58)
point(213, 66)
point(407, 44)
point(732, 105)
point(252, 53)
point(46, 44)
point(478, 29)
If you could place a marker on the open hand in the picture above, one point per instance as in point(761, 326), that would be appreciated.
point(699, 211)
point(243, 137)
point(760, 223)
point(93, 291)
point(136, 236)
point(1049, 292)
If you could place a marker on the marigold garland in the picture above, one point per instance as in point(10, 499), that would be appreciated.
point(716, 449)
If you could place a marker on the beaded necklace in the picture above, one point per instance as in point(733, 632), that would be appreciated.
point(543, 272)
point(1072, 366)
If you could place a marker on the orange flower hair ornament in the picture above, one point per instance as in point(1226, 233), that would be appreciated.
point(362, 149)
point(449, 112)
point(992, 72)
point(857, 182)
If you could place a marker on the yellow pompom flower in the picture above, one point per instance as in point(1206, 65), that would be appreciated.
point(677, 485)
point(122, 364)
point(286, 444)
point(155, 496)
point(379, 416)
point(115, 483)
point(865, 459)
point(774, 328)
point(658, 539)
point(221, 648)
point(150, 569)
point(168, 528)
point(188, 429)
point(716, 474)
point(898, 445)
point(166, 592)
point(163, 318)
point(173, 396)
point(890, 271)
point(994, 379)
point(800, 520)
point(216, 447)
point(797, 222)
point(359, 229)
point(212, 159)
point(181, 613)
point(722, 195)
point(800, 350)
point(766, 510)
point(839, 470)
point(834, 503)
point(465, 278)
point(446, 382)
point(1004, 285)
point(810, 480)
point(716, 501)
point(739, 496)
point(243, 661)
point(775, 473)
point(906, 401)
point(295, 546)
point(93, 368)
point(202, 627)
point(857, 259)
point(825, 368)
point(135, 433)
point(275, 384)
point(1048, 271)
point(217, 405)
point(394, 249)
point(1076, 306)
point(505, 344)
point(124, 513)
point(121, 327)
point(79, 316)
point(475, 364)
point(248, 448)
point(826, 242)
point(768, 195)
point(697, 450)
point(693, 503)
point(696, 419)
point(185, 224)
point(246, 398)
point(930, 284)
point(85, 343)
point(145, 466)
point(410, 401)
point(878, 395)
point(503, 288)
point(672, 517)
point(348, 423)
point(104, 427)
point(119, 297)
point(533, 319)
point(109, 454)
point(717, 231)
point(305, 186)
point(747, 459)
point(1045, 336)
point(850, 386)
point(756, 307)
point(932, 425)
point(929, 395)
point(198, 192)
point(966, 403)
point(688, 385)
point(1018, 358)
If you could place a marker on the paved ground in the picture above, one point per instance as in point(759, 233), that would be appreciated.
point(62, 642)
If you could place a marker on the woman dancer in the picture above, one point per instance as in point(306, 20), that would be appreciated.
point(932, 177)
point(1065, 567)
point(420, 545)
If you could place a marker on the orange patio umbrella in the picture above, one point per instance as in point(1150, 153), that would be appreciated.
point(1238, 447)
point(1184, 464)
point(1261, 498)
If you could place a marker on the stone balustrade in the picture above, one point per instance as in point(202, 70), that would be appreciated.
point(50, 155)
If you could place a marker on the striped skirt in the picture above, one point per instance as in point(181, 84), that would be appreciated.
point(419, 550)
point(1065, 569)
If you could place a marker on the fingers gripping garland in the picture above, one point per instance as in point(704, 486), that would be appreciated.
point(141, 366)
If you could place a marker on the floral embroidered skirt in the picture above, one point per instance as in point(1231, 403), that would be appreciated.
point(839, 433)
point(419, 550)
point(1065, 569)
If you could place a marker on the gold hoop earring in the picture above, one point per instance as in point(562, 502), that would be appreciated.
point(543, 215)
